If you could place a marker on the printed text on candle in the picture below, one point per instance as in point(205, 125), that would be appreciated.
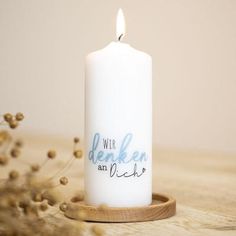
point(106, 154)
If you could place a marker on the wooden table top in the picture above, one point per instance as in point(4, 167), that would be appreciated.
point(204, 185)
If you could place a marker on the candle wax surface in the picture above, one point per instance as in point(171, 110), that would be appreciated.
point(118, 127)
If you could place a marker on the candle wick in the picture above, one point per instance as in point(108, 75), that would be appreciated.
point(119, 38)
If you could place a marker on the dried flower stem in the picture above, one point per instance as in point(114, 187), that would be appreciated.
point(55, 186)
point(44, 163)
point(25, 196)
point(62, 170)
point(69, 165)
point(66, 166)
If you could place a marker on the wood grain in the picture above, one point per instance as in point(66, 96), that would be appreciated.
point(162, 207)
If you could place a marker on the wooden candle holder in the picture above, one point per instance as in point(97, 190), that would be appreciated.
point(162, 206)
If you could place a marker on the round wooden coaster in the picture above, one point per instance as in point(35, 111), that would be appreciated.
point(162, 206)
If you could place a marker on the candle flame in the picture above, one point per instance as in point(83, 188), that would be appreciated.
point(120, 25)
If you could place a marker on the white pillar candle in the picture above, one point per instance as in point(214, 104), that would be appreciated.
point(118, 129)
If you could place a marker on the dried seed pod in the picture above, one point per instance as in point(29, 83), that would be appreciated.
point(63, 206)
point(3, 160)
point(35, 167)
point(19, 143)
point(13, 124)
point(15, 152)
point(19, 116)
point(7, 117)
point(97, 230)
point(51, 154)
point(63, 180)
point(13, 175)
point(78, 197)
point(43, 206)
point(76, 140)
point(78, 154)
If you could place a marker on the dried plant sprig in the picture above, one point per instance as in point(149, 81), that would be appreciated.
point(70, 161)
point(12, 120)
point(25, 198)
point(51, 154)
